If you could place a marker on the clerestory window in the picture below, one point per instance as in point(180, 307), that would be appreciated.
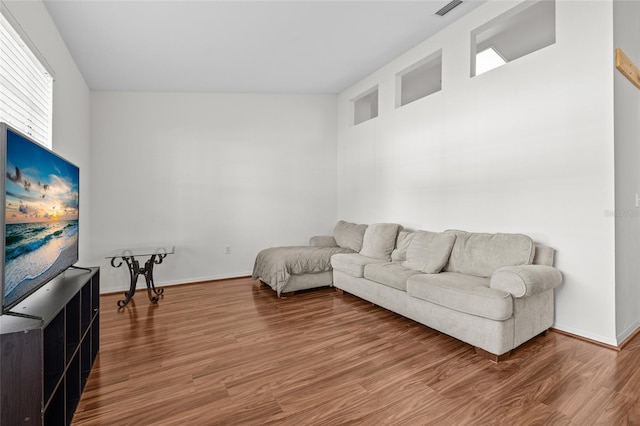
point(522, 30)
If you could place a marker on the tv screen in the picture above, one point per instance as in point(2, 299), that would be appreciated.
point(40, 215)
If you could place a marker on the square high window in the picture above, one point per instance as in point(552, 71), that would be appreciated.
point(419, 80)
point(365, 106)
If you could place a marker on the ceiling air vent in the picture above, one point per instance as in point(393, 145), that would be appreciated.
point(448, 7)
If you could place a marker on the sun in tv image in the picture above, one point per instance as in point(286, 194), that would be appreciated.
point(41, 216)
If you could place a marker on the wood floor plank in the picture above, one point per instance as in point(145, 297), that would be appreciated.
point(231, 353)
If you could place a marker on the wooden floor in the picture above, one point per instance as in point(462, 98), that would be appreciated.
point(230, 352)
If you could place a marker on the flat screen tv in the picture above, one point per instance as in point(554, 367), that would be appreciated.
point(40, 222)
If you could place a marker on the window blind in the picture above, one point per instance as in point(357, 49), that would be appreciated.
point(26, 86)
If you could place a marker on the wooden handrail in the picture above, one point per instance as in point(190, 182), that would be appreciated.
point(627, 68)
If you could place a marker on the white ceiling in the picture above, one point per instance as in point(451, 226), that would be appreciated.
point(241, 46)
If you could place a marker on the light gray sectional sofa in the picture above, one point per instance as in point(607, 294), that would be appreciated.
point(493, 291)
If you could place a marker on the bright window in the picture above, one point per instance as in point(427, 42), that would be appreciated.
point(26, 85)
point(487, 60)
point(526, 28)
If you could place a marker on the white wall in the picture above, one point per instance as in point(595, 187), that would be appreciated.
point(627, 162)
point(71, 102)
point(203, 171)
point(524, 148)
point(527, 147)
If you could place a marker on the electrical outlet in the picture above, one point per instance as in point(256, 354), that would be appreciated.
point(637, 200)
point(227, 249)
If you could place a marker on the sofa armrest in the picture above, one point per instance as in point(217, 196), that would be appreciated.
point(526, 280)
point(322, 241)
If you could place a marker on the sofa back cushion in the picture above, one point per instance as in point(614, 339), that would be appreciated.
point(349, 235)
point(481, 254)
point(544, 255)
point(379, 240)
point(428, 252)
point(399, 254)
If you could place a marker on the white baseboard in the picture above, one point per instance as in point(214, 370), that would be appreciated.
point(141, 283)
point(628, 332)
point(586, 335)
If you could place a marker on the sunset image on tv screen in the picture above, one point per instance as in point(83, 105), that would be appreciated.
point(41, 216)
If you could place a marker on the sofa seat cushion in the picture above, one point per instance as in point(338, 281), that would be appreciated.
point(353, 263)
point(464, 293)
point(391, 274)
point(482, 254)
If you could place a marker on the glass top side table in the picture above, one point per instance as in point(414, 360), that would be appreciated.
point(128, 255)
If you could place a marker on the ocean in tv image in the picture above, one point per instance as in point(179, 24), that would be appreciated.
point(41, 216)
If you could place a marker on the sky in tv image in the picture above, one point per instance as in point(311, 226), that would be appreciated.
point(41, 216)
point(40, 186)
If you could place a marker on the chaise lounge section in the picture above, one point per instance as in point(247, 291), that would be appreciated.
point(295, 268)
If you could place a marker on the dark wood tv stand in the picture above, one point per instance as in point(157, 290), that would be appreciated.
point(44, 365)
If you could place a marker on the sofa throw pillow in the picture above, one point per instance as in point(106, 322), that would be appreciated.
point(379, 240)
point(349, 235)
point(399, 254)
point(429, 251)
